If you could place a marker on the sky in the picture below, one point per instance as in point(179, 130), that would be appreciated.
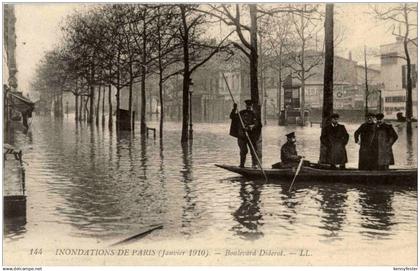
point(38, 30)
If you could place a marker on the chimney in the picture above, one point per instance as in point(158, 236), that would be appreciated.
point(350, 56)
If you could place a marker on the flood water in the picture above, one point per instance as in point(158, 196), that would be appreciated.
point(88, 184)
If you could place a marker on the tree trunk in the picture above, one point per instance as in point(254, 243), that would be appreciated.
point(254, 56)
point(161, 105)
point(366, 86)
point(98, 106)
point(409, 99)
point(130, 97)
point(91, 103)
point(328, 99)
point(143, 126)
point(160, 66)
point(279, 93)
point(61, 105)
point(76, 110)
point(103, 107)
point(118, 107)
point(109, 106)
point(186, 80)
point(81, 108)
point(302, 95)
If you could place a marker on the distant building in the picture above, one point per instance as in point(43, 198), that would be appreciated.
point(393, 75)
point(349, 91)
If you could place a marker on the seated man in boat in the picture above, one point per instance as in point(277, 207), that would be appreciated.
point(288, 153)
point(252, 126)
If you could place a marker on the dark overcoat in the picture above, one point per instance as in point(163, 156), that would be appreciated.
point(249, 118)
point(385, 137)
point(335, 138)
point(288, 153)
point(365, 134)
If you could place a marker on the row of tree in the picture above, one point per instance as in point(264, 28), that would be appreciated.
point(120, 45)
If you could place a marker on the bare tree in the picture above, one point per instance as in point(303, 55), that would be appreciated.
point(403, 14)
point(196, 51)
point(328, 97)
point(276, 34)
point(305, 56)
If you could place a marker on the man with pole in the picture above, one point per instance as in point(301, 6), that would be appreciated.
point(251, 126)
point(238, 128)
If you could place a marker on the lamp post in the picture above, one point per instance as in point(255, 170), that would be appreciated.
point(380, 100)
point(190, 92)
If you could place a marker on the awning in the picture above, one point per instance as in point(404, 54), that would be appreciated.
point(16, 101)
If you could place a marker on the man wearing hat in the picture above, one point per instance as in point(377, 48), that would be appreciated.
point(364, 136)
point(252, 126)
point(385, 137)
point(334, 137)
point(288, 153)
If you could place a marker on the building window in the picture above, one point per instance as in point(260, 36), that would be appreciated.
point(389, 58)
point(395, 99)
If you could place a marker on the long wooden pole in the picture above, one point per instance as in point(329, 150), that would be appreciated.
point(246, 133)
point(297, 172)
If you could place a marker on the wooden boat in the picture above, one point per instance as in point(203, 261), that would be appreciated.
point(406, 177)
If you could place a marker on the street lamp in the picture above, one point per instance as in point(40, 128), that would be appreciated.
point(380, 100)
point(190, 92)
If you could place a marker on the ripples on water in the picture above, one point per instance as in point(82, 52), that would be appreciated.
point(90, 182)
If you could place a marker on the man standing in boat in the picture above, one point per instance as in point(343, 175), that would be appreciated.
point(365, 136)
point(385, 137)
point(335, 137)
point(252, 126)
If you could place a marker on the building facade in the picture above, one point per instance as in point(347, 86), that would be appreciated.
point(393, 76)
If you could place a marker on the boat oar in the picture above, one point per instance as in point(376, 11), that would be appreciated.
point(297, 172)
point(246, 133)
point(139, 235)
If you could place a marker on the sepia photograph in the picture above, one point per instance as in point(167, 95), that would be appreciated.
point(210, 134)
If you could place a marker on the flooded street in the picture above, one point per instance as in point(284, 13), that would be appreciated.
point(85, 184)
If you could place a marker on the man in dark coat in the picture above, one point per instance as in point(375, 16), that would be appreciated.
point(251, 126)
point(335, 137)
point(364, 136)
point(385, 137)
point(288, 153)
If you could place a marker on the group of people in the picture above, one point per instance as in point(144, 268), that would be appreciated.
point(375, 138)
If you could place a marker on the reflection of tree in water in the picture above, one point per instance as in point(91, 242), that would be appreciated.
point(249, 214)
point(189, 211)
point(410, 150)
point(376, 211)
point(332, 204)
point(14, 227)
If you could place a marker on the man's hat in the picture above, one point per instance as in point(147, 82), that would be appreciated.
point(379, 116)
point(370, 115)
point(334, 116)
point(291, 135)
point(248, 102)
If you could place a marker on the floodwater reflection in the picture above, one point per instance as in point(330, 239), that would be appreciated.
point(102, 183)
point(249, 214)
